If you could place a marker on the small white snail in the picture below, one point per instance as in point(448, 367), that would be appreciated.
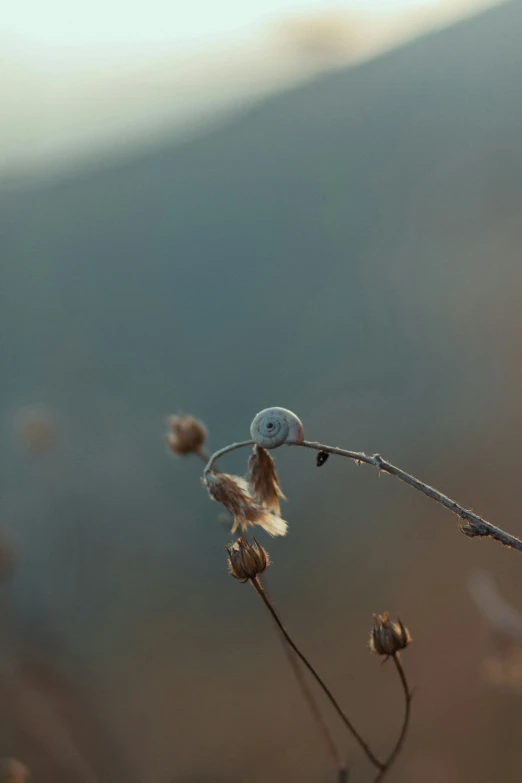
point(275, 426)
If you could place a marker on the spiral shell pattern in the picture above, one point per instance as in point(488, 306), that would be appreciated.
point(274, 426)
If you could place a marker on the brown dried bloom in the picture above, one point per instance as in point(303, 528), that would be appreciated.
point(233, 493)
point(246, 561)
point(264, 481)
point(187, 435)
point(387, 637)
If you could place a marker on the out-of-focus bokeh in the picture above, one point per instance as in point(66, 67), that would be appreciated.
point(105, 76)
point(217, 209)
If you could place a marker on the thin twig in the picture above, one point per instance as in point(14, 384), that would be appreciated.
point(314, 708)
point(308, 696)
point(225, 450)
point(343, 774)
point(476, 525)
point(364, 745)
point(405, 723)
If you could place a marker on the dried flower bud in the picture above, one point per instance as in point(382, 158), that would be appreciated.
point(233, 493)
point(264, 481)
point(246, 561)
point(187, 435)
point(387, 637)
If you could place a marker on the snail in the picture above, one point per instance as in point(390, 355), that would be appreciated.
point(275, 426)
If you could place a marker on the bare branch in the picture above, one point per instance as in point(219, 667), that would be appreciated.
point(476, 526)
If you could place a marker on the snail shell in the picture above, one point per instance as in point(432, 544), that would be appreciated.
point(275, 426)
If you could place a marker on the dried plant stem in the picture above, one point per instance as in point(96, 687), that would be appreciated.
point(303, 686)
point(364, 745)
point(314, 708)
point(225, 450)
point(476, 525)
point(405, 723)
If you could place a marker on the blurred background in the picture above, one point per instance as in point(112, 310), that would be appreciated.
point(217, 208)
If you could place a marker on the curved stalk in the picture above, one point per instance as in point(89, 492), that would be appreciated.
point(477, 526)
point(293, 661)
point(314, 708)
point(405, 723)
point(364, 745)
point(225, 450)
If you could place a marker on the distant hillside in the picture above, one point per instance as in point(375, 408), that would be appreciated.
point(350, 249)
point(335, 216)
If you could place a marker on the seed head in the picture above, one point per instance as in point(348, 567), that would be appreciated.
point(264, 481)
point(186, 435)
point(233, 492)
point(245, 560)
point(387, 637)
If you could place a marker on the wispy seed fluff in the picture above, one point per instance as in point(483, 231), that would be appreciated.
point(233, 492)
point(264, 481)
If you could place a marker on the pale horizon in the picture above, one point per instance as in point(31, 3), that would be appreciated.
point(202, 23)
point(103, 81)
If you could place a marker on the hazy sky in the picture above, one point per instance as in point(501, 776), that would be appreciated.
point(186, 22)
point(82, 77)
